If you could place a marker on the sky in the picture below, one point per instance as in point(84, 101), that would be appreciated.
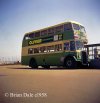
point(20, 16)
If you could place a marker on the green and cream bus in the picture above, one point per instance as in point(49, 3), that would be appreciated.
point(57, 45)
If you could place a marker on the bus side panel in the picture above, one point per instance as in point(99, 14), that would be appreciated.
point(54, 59)
point(25, 60)
point(48, 59)
point(68, 35)
point(25, 43)
point(39, 59)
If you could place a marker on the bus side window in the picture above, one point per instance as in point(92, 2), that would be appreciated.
point(30, 51)
point(50, 48)
point(36, 50)
point(37, 34)
point(44, 32)
point(31, 35)
point(72, 45)
point(56, 48)
point(66, 46)
point(26, 37)
point(51, 31)
point(59, 28)
point(60, 47)
point(67, 26)
point(43, 49)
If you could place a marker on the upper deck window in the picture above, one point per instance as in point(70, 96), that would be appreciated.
point(44, 32)
point(50, 31)
point(37, 34)
point(67, 26)
point(31, 35)
point(76, 27)
point(59, 28)
point(26, 37)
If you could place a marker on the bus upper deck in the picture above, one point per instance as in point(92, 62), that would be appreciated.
point(63, 31)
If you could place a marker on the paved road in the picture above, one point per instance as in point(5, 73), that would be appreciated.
point(20, 84)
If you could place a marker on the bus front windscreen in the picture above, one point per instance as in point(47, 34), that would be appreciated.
point(79, 45)
point(76, 27)
point(79, 27)
point(82, 29)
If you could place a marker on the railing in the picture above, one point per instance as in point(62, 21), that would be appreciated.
point(93, 51)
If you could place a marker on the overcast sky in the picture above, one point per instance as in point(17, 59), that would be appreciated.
point(20, 16)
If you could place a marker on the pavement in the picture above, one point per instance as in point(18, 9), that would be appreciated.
point(20, 84)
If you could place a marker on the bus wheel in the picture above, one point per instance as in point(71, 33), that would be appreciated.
point(33, 63)
point(70, 63)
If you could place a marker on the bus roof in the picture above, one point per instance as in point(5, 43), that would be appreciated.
point(53, 26)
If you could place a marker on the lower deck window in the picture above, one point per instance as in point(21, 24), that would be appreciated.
point(72, 45)
point(30, 51)
point(66, 46)
point(44, 49)
point(50, 48)
point(36, 50)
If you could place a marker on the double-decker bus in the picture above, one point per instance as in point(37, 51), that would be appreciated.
point(58, 45)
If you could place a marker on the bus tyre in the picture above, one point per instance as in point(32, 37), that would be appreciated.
point(33, 63)
point(70, 63)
